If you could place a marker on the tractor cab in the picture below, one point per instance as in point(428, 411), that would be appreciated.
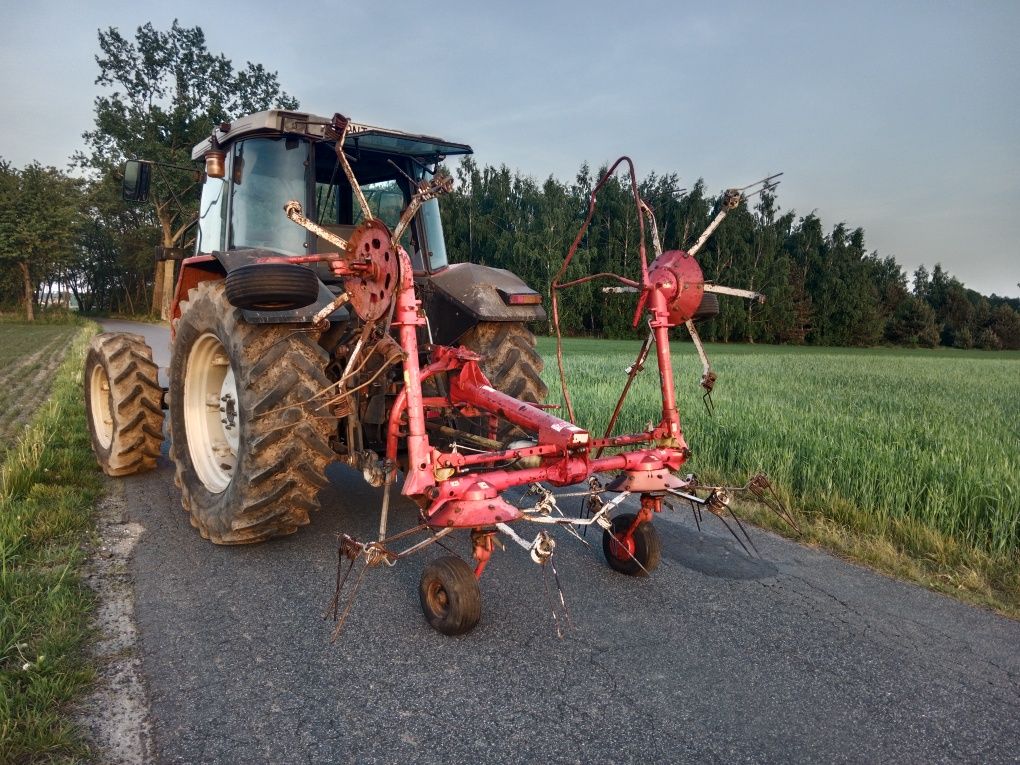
point(258, 163)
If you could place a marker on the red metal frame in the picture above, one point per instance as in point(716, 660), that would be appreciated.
point(458, 490)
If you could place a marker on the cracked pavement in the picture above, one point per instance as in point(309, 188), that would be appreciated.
point(799, 656)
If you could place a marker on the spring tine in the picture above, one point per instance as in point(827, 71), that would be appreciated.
point(350, 604)
point(450, 550)
point(696, 512)
point(709, 404)
point(573, 532)
point(559, 588)
point(585, 513)
point(550, 603)
point(781, 510)
point(774, 504)
point(744, 530)
point(730, 529)
point(334, 604)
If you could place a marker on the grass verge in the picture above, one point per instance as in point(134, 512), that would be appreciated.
point(48, 487)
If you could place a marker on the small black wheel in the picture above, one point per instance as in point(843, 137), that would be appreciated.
point(272, 286)
point(642, 549)
point(450, 598)
point(708, 307)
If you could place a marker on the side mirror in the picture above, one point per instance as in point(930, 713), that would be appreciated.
point(136, 181)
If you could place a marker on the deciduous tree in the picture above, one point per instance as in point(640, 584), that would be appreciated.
point(39, 215)
point(165, 92)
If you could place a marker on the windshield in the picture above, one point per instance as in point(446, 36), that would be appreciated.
point(387, 191)
point(267, 173)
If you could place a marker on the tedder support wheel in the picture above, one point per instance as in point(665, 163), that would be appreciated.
point(642, 548)
point(450, 598)
point(123, 403)
point(249, 441)
point(510, 361)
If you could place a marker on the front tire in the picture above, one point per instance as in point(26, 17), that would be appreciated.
point(123, 403)
point(249, 441)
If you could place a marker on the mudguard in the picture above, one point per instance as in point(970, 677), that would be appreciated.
point(463, 294)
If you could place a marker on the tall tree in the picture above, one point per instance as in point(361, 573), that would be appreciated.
point(39, 216)
point(167, 93)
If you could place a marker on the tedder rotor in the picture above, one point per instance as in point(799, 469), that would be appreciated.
point(366, 370)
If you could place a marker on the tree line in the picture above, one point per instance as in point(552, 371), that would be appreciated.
point(822, 287)
point(66, 234)
point(70, 233)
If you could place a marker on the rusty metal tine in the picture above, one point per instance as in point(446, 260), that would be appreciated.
point(550, 603)
point(744, 530)
point(559, 588)
point(334, 604)
point(782, 511)
point(350, 604)
point(730, 529)
point(632, 373)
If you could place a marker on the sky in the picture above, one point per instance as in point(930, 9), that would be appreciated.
point(902, 118)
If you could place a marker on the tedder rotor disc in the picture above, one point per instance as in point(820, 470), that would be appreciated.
point(372, 290)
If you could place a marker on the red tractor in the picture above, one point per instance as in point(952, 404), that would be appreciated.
point(320, 321)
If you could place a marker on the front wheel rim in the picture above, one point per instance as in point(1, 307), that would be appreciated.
point(211, 413)
point(99, 400)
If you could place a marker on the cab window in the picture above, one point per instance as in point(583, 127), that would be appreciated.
point(267, 173)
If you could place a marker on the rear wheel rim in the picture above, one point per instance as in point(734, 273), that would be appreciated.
point(211, 413)
point(102, 412)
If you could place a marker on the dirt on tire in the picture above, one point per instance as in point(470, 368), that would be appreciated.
point(284, 424)
point(123, 403)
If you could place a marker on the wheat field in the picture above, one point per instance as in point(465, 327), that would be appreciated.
point(931, 436)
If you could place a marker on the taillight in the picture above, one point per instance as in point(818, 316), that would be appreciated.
point(521, 298)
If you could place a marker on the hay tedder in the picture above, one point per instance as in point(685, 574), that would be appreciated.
point(319, 321)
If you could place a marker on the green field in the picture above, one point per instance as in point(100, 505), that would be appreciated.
point(885, 438)
point(29, 356)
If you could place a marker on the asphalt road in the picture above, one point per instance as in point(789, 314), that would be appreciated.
point(796, 657)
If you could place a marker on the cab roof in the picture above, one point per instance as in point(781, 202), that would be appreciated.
point(359, 136)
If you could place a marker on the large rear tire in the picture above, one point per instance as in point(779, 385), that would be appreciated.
point(249, 441)
point(511, 363)
point(123, 403)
